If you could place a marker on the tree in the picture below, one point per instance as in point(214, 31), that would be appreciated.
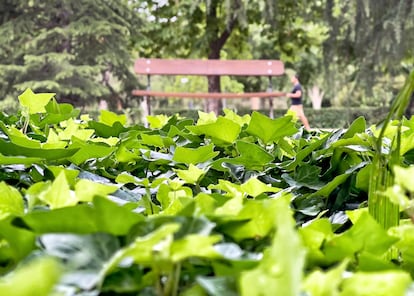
point(78, 49)
point(216, 28)
point(368, 40)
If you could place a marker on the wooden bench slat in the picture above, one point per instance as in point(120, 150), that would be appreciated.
point(209, 67)
point(207, 95)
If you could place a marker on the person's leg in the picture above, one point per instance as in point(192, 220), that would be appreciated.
point(298, 109)
point(305, 121)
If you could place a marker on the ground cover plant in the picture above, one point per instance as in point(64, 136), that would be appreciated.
point(227, 205)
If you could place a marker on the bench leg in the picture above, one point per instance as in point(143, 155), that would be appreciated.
point(271, 115)
point(146, 109)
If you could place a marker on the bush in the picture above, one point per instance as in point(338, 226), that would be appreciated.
point(323, 118)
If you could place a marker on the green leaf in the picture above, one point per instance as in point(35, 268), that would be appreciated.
point(224, 130)
point(5, 160)
point(11, 149)
point(337, 181)
point(157, 121)
point(255, 220)
point(206, 118)
point(270, 130)
point(405, 234)
point(84, 256)
point(357, 126)
point(148, 249)
point(157, 140)
point(55, 113)
point(58, 194)
point(74, 130)
point(306, 175)
point(103, 130)
point(280, 270)
point(383, 283)
point(251, 156)
point(195, 245)
point(194, 155)
point(303, 152)
point(255, 187)
point(366, 235)
point(192, 175)
point(86, 189)
point(109, 118)
point(35, 103)
point(30, 279)
point(88, 150)
point(314, 235)
point(16, 244)
point(11, 201)
point(102, 216)
point(327, 283)
point(240, 120)
point(218, 286)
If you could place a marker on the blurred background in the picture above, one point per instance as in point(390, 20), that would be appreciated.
point(352, 55)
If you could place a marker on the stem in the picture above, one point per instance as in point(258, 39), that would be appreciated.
point(176, 282)
point(26, 124)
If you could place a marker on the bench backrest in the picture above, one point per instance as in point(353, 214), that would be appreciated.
point(209, 67)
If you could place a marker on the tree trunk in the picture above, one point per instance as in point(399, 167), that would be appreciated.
point(214, 105)
point(215, 46)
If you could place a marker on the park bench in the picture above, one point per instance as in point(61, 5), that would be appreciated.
point(151, 67)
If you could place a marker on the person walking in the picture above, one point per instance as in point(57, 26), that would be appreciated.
point(296, 104)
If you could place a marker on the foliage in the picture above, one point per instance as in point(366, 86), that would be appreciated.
point(79, 50)
point(369, 47)
point(189, 208)
point(324, 118)
point(227, 29)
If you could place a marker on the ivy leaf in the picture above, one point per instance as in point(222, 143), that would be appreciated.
point(192, 175)
point(395, 282)
point(157, 121)
point(251, 156)
point(109, 118)
point(84, 256)
point(241, 120)
point(255, 187)
point(147, 249)
point(224, 130)
point(35, 103)
point(325, 283)
point(270, 130)
point(254, 220)
point(195, 245)
point(11, 201)
point(86, 189)
point(30, 279)
point(194, 155)
point(280, 270)
point(102, 216)
point(58, 194)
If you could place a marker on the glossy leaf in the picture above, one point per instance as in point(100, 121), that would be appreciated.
point(35, 103)
point(270, 130)
point(194, 155)
point(11, 201)
point(192, 175)
point(224, 130)
point(102, 216)
point(280, 270)
point(11, 149)
point(85, 190)
point(29, 279)
point(109, 118)
point(380, 283)
point(59, 194)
